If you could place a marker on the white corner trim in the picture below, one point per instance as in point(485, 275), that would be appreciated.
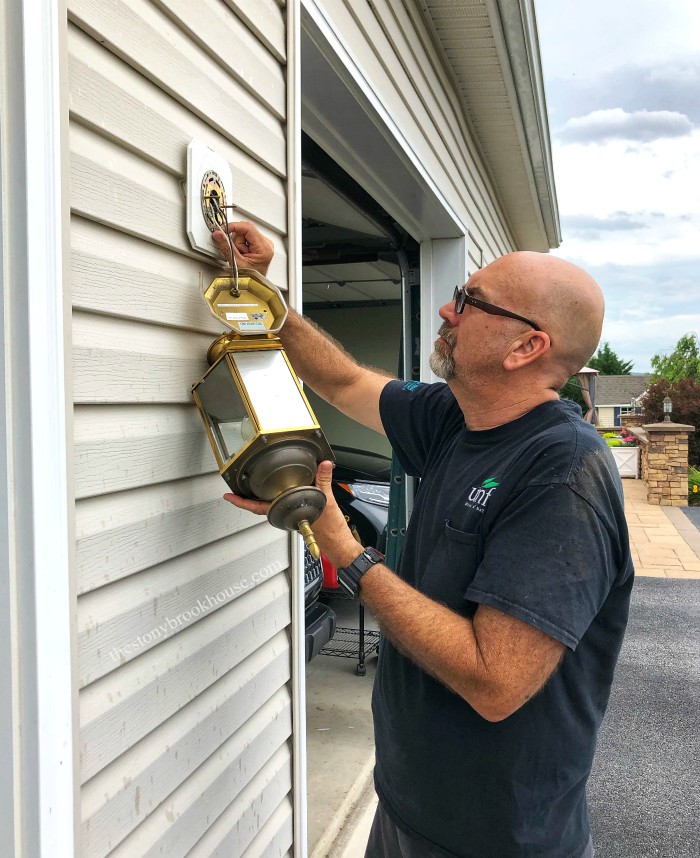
point(443, 264)
point(294, 257)
point(37, 539)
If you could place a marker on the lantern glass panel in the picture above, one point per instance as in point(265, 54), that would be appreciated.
point(225, 411)
point(273, 391)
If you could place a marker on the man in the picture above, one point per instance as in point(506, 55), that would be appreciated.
point(505, 617)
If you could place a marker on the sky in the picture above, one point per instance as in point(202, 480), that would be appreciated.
point(622, 81)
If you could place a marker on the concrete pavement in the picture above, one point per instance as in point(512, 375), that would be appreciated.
point(340, 744)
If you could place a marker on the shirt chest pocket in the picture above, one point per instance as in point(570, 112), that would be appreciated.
point(451, 567)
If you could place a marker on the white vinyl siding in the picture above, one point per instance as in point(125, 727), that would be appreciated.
point(393, 50)
point(606, 415)
point(433, 120)
point(184, 603)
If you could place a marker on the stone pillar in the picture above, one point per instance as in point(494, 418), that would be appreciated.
point(628, 420)
point(667, 463)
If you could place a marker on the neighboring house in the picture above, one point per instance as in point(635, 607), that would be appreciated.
point(138, 716)
point(614, 395)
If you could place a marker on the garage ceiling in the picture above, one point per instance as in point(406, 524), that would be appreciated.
point(334, 232)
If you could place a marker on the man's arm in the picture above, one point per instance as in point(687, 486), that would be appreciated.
point(496, 662)
point(318, 359)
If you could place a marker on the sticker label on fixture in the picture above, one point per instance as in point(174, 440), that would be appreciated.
point(251, 326)
point(236, 317)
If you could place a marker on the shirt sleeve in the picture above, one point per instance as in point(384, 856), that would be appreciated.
point(549, 561)
point(414, 415)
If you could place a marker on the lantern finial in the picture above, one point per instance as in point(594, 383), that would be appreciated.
point(304, 529)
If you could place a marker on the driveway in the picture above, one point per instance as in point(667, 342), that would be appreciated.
point(644, 791)
point(692, 513)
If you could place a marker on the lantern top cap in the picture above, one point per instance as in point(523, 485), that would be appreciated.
point(255, 308)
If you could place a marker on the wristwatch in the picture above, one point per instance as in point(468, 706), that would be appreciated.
point(349, 577)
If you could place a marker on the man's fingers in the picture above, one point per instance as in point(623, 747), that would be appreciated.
point(223, 246)
point(251, 248)
point(324, 476)
point(254, 506)
point(221, 242)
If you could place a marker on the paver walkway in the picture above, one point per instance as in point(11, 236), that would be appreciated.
point(664, 543)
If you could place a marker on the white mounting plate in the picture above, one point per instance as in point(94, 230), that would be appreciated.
point(200, 160)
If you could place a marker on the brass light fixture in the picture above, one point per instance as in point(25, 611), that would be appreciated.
point(265, 437)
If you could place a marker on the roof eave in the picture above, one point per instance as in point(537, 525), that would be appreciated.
point(515, 146)
point(519, 28)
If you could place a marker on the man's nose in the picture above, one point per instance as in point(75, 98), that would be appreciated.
point(447, 314)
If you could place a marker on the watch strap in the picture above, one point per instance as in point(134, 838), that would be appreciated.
point(349, 576)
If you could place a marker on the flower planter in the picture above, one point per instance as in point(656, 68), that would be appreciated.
point(627, 461)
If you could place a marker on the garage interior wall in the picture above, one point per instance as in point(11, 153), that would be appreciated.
point(373, 336)
point(184, 603)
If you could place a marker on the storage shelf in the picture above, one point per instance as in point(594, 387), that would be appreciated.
point(346, 643)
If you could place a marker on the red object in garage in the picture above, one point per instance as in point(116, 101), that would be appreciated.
point(330, 573)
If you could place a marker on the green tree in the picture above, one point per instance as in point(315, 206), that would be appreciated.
point(572, 391)
point(608, 363)
point(685, 396)
point(683, 362)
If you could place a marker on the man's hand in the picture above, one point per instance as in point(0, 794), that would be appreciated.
point(250, 246)
point(330, 528)
point(257, 507)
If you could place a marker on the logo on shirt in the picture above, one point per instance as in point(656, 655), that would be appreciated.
point(479, 495)
point(411, 385)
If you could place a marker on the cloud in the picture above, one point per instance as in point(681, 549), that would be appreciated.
point(648, 307)
point(644, 119)
point(616, 124)
point(684, 73)
point(662, 85)
point(589, 226)
point(640, 340)
point(618, 185)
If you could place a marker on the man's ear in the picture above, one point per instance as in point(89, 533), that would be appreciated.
point(526, 349)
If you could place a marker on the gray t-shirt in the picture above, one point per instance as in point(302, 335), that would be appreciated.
point(528, 518)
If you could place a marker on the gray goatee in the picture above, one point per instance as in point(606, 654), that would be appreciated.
point(441, 360)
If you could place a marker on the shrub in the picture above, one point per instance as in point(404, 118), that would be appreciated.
point(693, 486)
point(623, 438)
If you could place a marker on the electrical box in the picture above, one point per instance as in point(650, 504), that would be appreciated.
point(209, 195)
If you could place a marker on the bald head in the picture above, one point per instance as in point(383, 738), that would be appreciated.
point(562, 298)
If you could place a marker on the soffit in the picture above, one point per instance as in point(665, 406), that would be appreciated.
point(490, 48)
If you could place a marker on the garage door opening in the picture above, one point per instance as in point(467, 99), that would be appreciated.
point(357, 262)
point(360, 279)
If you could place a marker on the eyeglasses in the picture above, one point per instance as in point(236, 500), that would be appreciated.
point(461, 297)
